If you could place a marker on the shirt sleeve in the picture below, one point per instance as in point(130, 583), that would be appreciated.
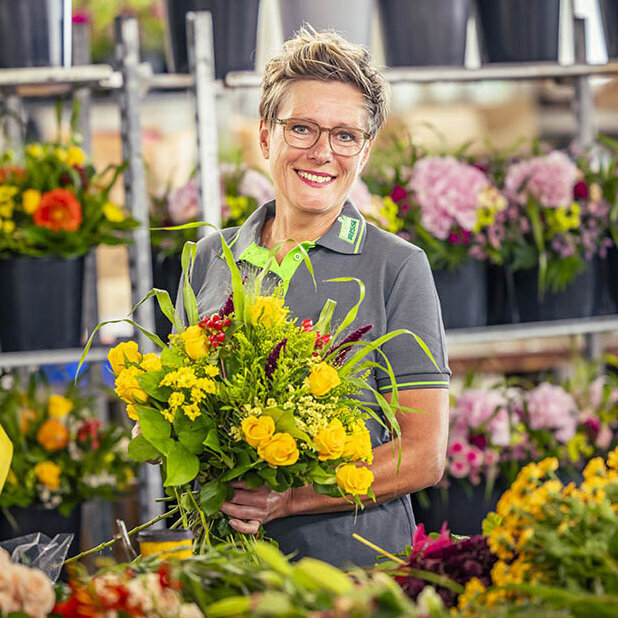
point(418, 358)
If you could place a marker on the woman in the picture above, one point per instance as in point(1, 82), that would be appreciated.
point(322, 105)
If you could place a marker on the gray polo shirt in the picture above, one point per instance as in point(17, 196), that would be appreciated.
point(399, 293)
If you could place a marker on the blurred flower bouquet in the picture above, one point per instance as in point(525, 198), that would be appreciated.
point(249, 394)
point(62, 455)
point(57, 204)
point(242, 190)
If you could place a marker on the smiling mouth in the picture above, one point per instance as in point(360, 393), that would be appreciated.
point(320, 179)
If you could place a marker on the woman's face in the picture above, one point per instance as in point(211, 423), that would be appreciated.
point(294, 170)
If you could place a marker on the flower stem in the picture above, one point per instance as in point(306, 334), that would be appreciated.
point(110, 543)
point(378, 549)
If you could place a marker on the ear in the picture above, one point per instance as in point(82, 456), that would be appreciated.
point(264, 138)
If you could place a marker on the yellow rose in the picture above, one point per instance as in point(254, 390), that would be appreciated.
point(268, 310)
point(35, 151)
point(353, 480)
point(8, 227)
point(30, 200)
point(330, 441)
point(358, 446)
point(75, 156)
point(322, 378)
point(257, 430)
point(124, 352)
point(280, 450)
point(150, 362)
point(113, 212)
point(59, 406)
point(128, 388)
point(196, 344)
point(52, 435)
point(132, 412)
point(48, 473)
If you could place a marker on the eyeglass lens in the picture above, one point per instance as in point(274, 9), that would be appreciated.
point(305, 134)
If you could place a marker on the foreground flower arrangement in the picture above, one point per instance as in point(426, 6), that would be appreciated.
point(63, 455)
point(55, 203)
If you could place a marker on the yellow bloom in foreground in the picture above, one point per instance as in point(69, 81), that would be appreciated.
point(258, 430)
point(75, 156)
point(280, 450)
point(322, 379)
point(268, 311)
point(358, 446)
point(612, 459)
point(330, 441)
point(196, 344)
point(353, 480)
point(132, 412)
point(150, 362)
point(124, 352)
point(128, 388)
point(59, 406)
point(35, 151)
point(473, 590)
point(30, 200)
point(48, 473)
point(112, 212)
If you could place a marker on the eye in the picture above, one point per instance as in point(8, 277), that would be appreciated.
point(347, 136)
point(301, 129)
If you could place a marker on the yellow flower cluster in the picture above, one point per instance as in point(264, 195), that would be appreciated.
point(354, 480)
point(185, 379)
point(268, 311)
point(48, 473)
point(7, 205)
point(238, 205)
point(489, 201)
point(563, 219)
point(390, 212)
point(278, 449)
point(322, 379)
point(195, 342)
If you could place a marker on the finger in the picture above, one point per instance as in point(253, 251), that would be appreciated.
point(242, 512)
point(249, 498)
point(246, 527)
point(242, 485)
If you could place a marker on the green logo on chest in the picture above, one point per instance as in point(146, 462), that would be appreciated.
point(349, 228)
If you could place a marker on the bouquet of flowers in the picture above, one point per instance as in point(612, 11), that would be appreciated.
point(55, 203)
point(62, 454)
point(242, 190)
point(250, 394)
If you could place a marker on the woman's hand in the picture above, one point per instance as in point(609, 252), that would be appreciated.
point(253, 506)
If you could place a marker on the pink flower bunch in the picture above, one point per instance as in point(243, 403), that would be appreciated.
point(183, 202)
point(256, 185)
point(549, 179)
point(549, 406)
point(446, 191)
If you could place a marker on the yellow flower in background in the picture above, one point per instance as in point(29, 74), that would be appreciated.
point(8, 227)
point(128, 388)
point(257, 430)
point(132, 412)
point(48, 473)
point(124, 352)
point(612, 459)
point(390, 211)
point(322, 379)
point(53, 435)
point(59, 406)
point(30, 200)
point(112, 212)
point(61, 154)
point(330, 441)
point(196, 344)
point(75, 156)
point(280, 450)
point(268, 310)
point(353, 480)
point(150, 362)
point(35, 151)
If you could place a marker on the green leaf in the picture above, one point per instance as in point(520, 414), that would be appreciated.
point(326, 316)
point(165, 304)
point(171, 357)
point(612, 547)
point(154, 427)
point(491, 522)
point(231, 606)
point(352, 313)
point(149, 381)
point(181, 466)
point(272, 557)
point(141, 450)
point(191, 433)
point(321, 476)
point(285, 422)
point(212, 496)
point(190, 302)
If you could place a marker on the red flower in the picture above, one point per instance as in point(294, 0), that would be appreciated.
point(58, 210)
point(580, 191)
point(398, 193)
point(9, 172)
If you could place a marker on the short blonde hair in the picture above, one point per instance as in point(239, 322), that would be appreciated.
point(324, 56)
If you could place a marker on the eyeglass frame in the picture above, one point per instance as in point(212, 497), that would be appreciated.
point(284, 121)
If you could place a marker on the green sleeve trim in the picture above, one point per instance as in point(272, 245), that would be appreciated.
point(425, 383)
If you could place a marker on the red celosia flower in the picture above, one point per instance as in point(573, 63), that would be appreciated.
point(9, 172)
point(58, 210)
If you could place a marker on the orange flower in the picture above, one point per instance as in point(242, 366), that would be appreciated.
point(53, 435)
point(25, 416)
point(58, 210)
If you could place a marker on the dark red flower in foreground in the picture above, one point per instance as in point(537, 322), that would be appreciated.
point(398, 193)
point(58, 210)
point(580, 191)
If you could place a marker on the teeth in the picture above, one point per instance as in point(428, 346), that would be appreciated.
point(314, 178)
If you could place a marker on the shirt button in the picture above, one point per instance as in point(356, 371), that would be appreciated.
point(297, 257)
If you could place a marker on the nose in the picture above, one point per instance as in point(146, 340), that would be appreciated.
point(321, 150)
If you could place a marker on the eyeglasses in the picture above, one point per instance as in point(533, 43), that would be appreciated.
point(344, 141)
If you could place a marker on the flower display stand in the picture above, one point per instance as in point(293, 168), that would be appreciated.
point(612, 275)
point(609, 15)
point(463, 295)
point(519, 30)
point(41, 303)
point(424, 32)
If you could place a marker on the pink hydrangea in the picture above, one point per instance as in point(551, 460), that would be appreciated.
point(256, 185)
point(549, 179)
point(488, 408)
point(551, 407)
point(183, 203)
point(446, 191)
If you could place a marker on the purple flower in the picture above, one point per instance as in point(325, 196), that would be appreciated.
point(342, 352)
point(228, 308)
point(273, 358)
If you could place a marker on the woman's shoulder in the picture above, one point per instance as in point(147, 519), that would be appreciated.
point(387, 246)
